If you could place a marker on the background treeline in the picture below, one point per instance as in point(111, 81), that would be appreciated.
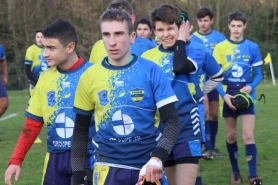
point(20, 18)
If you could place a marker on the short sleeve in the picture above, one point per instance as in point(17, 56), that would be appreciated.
point(257, 58)
point(29, 56)
point(211, 67)
point(162, 89)
point(83, 102)
point(217, 54)
point(34, 110)
point(196, 56)
point(2, 53)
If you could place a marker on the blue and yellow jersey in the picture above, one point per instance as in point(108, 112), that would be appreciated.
point(237, 60)
point(52, 103)
point(34, 57)
point(2, 53)
point(209, 67)
point(139, 46)
point(211, 39)
point(124, 100)
point(184, 88)
point(196, 39)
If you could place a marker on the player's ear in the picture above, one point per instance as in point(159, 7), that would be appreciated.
point(132, 37)
point(133, 18)
point(71, 47)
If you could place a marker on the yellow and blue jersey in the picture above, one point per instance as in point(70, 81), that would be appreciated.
point(2, 53)
point(184, 88)
point(34, 57)
point(139, 46)
point(211, 39)
point(124, 100)
point(209, 67)
point(237, 60)
point(52, 103)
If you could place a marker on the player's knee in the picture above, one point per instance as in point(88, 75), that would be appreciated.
point(213, 116)
point(248, 138)
point(231, 136)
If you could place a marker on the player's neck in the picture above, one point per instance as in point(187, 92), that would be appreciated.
point(236, 39)
point(73, 58)
point(205, 32)
point(119, 62)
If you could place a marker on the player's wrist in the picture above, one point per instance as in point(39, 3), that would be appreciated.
point(15, 162)
point(160, 153)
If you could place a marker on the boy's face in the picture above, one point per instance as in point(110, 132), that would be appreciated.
point(117, 39)
point(54, 52)
point(39, 38)
point(204, 24)
point(166, 33)
point(236, 29)
point(144, 31)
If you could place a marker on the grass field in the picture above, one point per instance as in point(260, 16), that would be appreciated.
point(214, 172)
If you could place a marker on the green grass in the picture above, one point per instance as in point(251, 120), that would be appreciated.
point(214, 172)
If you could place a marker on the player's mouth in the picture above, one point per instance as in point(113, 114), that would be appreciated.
point(114, 51)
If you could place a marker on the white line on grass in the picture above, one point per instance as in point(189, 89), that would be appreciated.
point(8, 117)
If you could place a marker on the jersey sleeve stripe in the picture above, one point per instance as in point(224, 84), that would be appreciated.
point(34, 117)
point(82, 112)
point(258, 63)
point(217, 74)
point(166, 101)
point(28, 62)
point(194, 63)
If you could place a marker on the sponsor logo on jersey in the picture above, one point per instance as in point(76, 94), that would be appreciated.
point(51, 98)
point(137, 94)
point(229, 58)
point(103, 97)
point(119, 83)
point(66, 84)
point(246, 58)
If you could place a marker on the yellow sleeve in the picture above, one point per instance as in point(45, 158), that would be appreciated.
point(217, 54)
point(34, 105)
point(98, 52)
point(29, 54)
point(83, 100)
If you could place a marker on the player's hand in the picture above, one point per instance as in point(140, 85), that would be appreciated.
point(247, 89)
point(185, 31)
point(5, 80)
point(11, 170)
point(152, 170)
point(228, 99)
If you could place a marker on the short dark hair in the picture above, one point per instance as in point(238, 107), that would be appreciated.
point(38, 31)
point(62, 30)
point(237, 16)
point(119, 16)
point(143, 21)
point(166, 13)
point(203, 12)
point(121, 5)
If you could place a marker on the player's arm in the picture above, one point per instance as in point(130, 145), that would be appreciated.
point(4, 67)
point(170, 119)
point(214, 71)
point(26, 139)
point(181, 63)
point(79, 147)
point(29, 74)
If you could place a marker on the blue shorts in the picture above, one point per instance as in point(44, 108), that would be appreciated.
point(106, 175)
point(228, 112)
point(213, 95)
point(57, 169)
point(3, 92)
point(185, 149)
point(201, 109)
